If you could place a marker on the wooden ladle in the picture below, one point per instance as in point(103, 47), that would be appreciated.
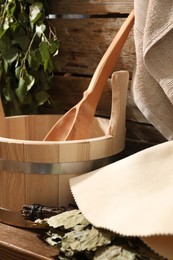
point(77, 122)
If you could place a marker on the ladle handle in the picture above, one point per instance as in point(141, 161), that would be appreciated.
point(105, 66)
point(2, 115)
point(119, 84)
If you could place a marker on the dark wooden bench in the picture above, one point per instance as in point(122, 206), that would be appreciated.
point(20, 244)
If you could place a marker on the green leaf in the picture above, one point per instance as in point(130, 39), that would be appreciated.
point(11, 7)
point(6, 24)
point(48, 66)
point(29, 80)
point(2, 32)
point(37, 55)
point(44, 51)
point(41, 97)
point(35, 12)
point(4, 42)
point(9, 54)
point(53, 48)
point(33, 62)
point(17, 72)
point(40, 29)
point(22, 40)
point(21, 91)
point(8, 94)
point(14, 26)
point(25, 84)
point(6, 66)
point(26, 61)
point(1, 45)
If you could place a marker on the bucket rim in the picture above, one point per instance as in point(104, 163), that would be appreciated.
point(82, 141)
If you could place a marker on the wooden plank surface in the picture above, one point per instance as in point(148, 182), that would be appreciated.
point(20, 244)
point(84, 41)
point(90, 6)
point(69, 89)
point(85, 29)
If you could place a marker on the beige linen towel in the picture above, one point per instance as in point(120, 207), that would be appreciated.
point(133, 197)
point(152, 85)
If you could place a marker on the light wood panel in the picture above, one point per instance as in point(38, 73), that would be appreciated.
point(19, 187)
point(42, 189)
point(12, 188)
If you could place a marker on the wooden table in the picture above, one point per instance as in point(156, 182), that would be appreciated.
point(20, 244)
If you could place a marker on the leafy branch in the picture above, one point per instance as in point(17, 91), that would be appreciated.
point(28, 50)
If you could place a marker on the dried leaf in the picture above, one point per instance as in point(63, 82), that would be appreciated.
point(75, 236)
point(89, 239)
point(54, 239)
point(113, 252)
point(68, 219)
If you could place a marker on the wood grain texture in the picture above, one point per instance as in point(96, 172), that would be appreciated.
point(12, 187)
point(90, 6)
point(84, 41)
point(1, 110)
point(18, 187)
point(19, 244)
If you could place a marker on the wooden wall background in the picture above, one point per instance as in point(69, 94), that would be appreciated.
point(85, 29)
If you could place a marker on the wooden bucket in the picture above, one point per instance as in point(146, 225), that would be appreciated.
point(34, 171)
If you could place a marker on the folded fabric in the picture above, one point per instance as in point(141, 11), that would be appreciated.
point(132, 197)
point(152, 85)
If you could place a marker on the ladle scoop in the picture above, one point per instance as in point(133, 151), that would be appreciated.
point(76, 124)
